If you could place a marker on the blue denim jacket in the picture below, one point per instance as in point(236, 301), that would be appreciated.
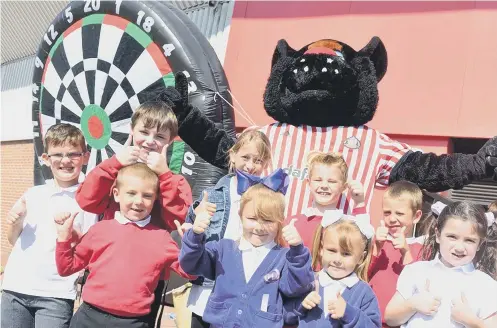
point(219, 195)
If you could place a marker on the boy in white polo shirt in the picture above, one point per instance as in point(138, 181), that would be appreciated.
point(34, 295)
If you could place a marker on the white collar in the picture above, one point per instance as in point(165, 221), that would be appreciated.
point(235, 197)
point(51, 183)
point(325, 279)
point(245, 245)
point(467, 268)
point(123, 220)
point(313, 210)
point(416, 240)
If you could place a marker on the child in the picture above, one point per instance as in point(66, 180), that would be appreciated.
point(327, 183)
point(342, 297)
point(33, 292)
point(253, 273)
point(125, 256)
point(447, 290)
point(153, 128)
point(251, 154)
point(392, 249)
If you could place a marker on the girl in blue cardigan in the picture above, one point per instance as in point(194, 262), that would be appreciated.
point(253, 273)
point(342, 297)
point(251, 154)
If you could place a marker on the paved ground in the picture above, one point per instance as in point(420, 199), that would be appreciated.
point(166, 321)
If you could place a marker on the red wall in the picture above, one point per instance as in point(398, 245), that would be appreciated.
point(442, 73)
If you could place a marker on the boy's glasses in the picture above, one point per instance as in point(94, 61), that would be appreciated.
point(71, 156)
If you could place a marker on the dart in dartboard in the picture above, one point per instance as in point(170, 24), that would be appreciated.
point(99, 60)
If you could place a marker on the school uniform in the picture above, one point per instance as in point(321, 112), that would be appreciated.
point(250, 281)
point(225, 223)
point(125, 259)
point(362, 309)
point(308, 222)
point(385, 268)
point(447, 283)
point(33, 291)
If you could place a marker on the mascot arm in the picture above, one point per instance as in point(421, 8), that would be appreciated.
point(442, 172)
point(197, 130)
point(205, 138)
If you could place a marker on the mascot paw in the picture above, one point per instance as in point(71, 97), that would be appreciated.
point(489, 151)
point(177, 97)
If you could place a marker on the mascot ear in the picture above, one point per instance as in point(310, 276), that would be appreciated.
point(377, 53)
point(282, 50)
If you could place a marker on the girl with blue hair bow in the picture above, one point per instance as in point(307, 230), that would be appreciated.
point(253, 273)
point(251, 154)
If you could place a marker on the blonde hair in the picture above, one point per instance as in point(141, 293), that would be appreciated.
point(261, 141)
point(64, 133)
point(316, 157)
point(409, 190)
point(268, 205)
point(346, 230)
point(492, 207)
point(156, 114)
point(140, 170)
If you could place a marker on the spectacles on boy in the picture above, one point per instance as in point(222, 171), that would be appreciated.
point(71, 156)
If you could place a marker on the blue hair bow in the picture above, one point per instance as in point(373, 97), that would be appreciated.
point(277, 181)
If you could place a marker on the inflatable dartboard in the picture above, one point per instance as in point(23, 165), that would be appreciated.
point(99, 60)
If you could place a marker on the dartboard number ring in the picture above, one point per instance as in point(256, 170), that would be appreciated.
point(94, 66)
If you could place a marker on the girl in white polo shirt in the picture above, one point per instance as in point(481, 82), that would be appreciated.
point(451, 288)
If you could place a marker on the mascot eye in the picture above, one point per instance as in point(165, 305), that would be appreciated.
point(339, 54)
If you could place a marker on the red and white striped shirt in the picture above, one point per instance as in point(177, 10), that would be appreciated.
point(370, 156)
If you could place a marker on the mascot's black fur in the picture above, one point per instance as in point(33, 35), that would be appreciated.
point(324, 84)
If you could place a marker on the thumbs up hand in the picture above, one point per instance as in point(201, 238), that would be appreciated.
point(291, 235)
point(462, 313)
point(202, 222)
point(18, 212)
point(128, 154)
point(311, 300)
point(399, 240)
point(336, 308)
point(204, 205)
point(381, 234)
point(157, 162)
point(64, 223)
point(425, 302)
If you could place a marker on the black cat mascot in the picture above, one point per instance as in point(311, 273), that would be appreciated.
point(322, 96)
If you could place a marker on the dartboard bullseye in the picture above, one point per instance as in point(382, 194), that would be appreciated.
point(95, 125)
point(99, 60)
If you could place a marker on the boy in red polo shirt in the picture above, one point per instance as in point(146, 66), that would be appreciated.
point(125, 255)
point(392, 249)
point(153, 127)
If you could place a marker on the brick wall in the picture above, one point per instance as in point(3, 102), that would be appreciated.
point(16, 175)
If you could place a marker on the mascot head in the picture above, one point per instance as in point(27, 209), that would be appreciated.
point(325, 83)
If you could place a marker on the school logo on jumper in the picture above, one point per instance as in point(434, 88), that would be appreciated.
point(296, 172)
point(352, 143)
